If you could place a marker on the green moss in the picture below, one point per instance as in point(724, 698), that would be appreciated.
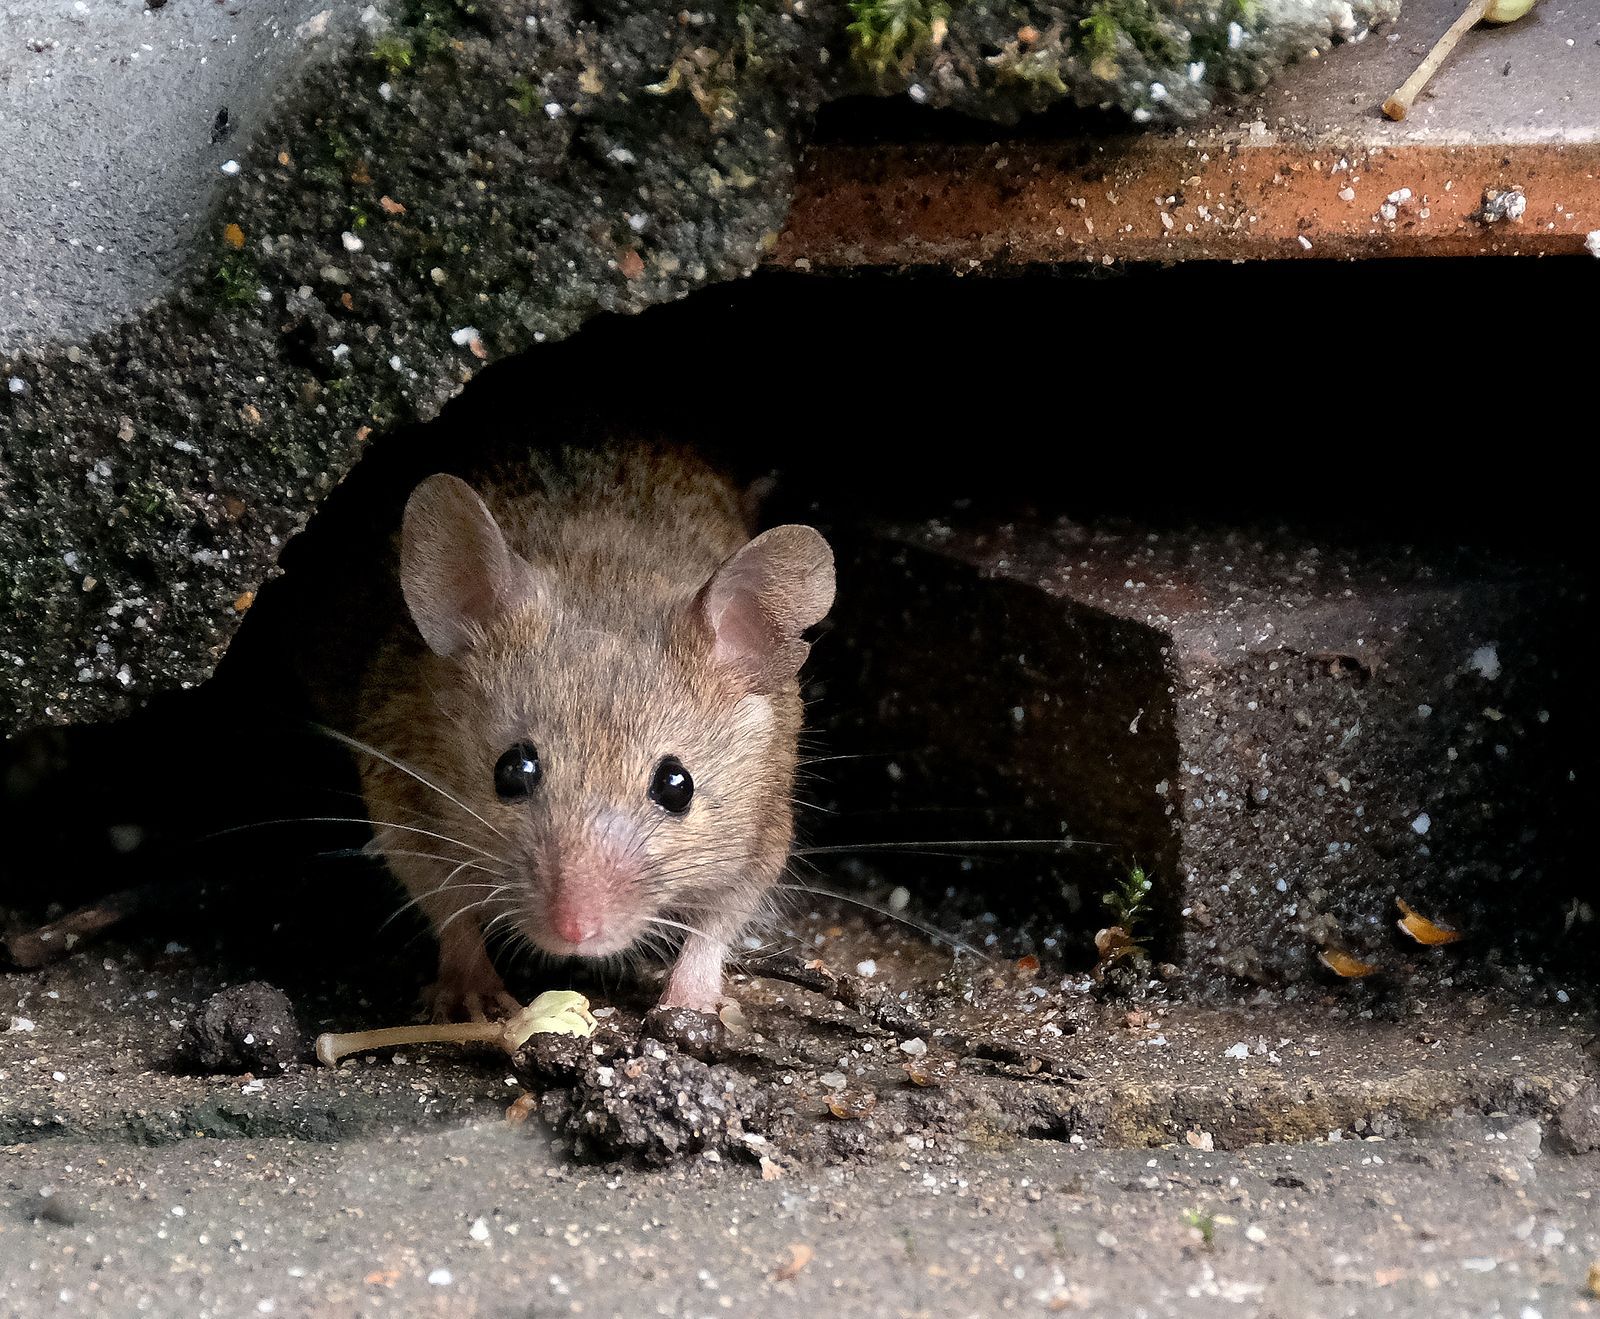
point(237, 280)
point(395, 52)
point(424, 30)
point(524, 98)
point(1099, 33)
point(1034, 68)
point(1146, 30)
point(888, 35)
point(1203, 1223)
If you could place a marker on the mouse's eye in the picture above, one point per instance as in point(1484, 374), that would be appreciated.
point(517, 773)
point(671, 787)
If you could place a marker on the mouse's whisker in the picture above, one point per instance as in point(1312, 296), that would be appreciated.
point(953, 846)
point(357, 745)
point(349, 819)
point(672, 925)
point(447, 882)
point(932, 931)
point(369, 854)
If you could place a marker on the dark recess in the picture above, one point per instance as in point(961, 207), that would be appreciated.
point(1210, 396)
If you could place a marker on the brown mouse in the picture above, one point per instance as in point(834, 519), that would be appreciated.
point(584, 735)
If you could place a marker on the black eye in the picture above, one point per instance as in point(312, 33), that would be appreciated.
point(671, 787)
point(517, 773)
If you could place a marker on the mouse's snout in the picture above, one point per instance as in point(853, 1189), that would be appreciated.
point(587, 900)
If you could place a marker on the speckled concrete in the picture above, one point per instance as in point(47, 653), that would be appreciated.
point(452, 186)
point(120, 118)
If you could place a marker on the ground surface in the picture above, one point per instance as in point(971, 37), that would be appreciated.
point(1422, 1179)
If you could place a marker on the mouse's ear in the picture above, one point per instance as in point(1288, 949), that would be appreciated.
point(760, 601)
point(456, 571)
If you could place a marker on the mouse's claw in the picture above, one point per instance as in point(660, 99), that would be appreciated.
point(454, 1002)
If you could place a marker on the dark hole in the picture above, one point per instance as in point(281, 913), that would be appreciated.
point(946, 707)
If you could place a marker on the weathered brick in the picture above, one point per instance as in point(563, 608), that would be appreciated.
point(1288, 735)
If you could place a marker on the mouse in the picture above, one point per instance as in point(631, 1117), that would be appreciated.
point(582, 734)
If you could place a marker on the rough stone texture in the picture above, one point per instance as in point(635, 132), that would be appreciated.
point(246, 1028)
point(1288, 736)
point(450, 184)
point(477, 1222)
point(94, 1048)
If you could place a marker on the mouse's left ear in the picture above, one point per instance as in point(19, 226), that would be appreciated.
point(456, 571)
point(759, 602)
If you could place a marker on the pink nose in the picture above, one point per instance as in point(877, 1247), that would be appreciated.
point(575, 927)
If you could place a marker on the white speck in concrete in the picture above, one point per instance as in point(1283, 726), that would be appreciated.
point(230, 167)
point(1486, 660)
point(1422, 823)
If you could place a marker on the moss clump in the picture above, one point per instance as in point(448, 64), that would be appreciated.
point(888, 35)
point(524, 98)
point(237, 280)
point(395, 52)
point(1147, 32)
point(424, 30)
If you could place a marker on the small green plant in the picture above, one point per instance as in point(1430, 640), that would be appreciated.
point(1100, 33)
point(524, 98)
point(236, 277)
point(395, 52)
point(1127, 903)
point(888, 34)
point(1203, 1223)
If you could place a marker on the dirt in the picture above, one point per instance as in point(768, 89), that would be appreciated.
point(245, 1028)
point(1036, 1147)
point(99, 1045)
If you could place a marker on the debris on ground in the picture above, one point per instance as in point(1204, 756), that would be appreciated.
point(245, 1028)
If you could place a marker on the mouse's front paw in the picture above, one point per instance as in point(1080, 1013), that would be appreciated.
point(457, 1000)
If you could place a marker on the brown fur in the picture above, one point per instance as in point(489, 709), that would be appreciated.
point(608, 643)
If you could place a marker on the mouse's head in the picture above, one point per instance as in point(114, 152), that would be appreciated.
point(626, 746)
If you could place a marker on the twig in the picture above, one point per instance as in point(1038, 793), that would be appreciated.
point(49, 943)
point(877, 1003)
point(1399, 105)
point(882, 1007)
point(556, 1011)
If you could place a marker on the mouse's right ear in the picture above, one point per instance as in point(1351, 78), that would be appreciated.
point(456, 571)
point(759, 602)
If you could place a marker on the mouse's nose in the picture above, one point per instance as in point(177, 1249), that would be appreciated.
point(576, 927)
point(577, 914)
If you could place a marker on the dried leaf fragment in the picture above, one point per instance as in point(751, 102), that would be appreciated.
point(1420, 928)
point(233, 236)
point(800, 1255)
point(1343, 964)
point(851, 1106)
point(391, 206)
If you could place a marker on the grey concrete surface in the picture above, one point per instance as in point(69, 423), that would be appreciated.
point(478, 1221)
point(117, 120)
point(1533, 81)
